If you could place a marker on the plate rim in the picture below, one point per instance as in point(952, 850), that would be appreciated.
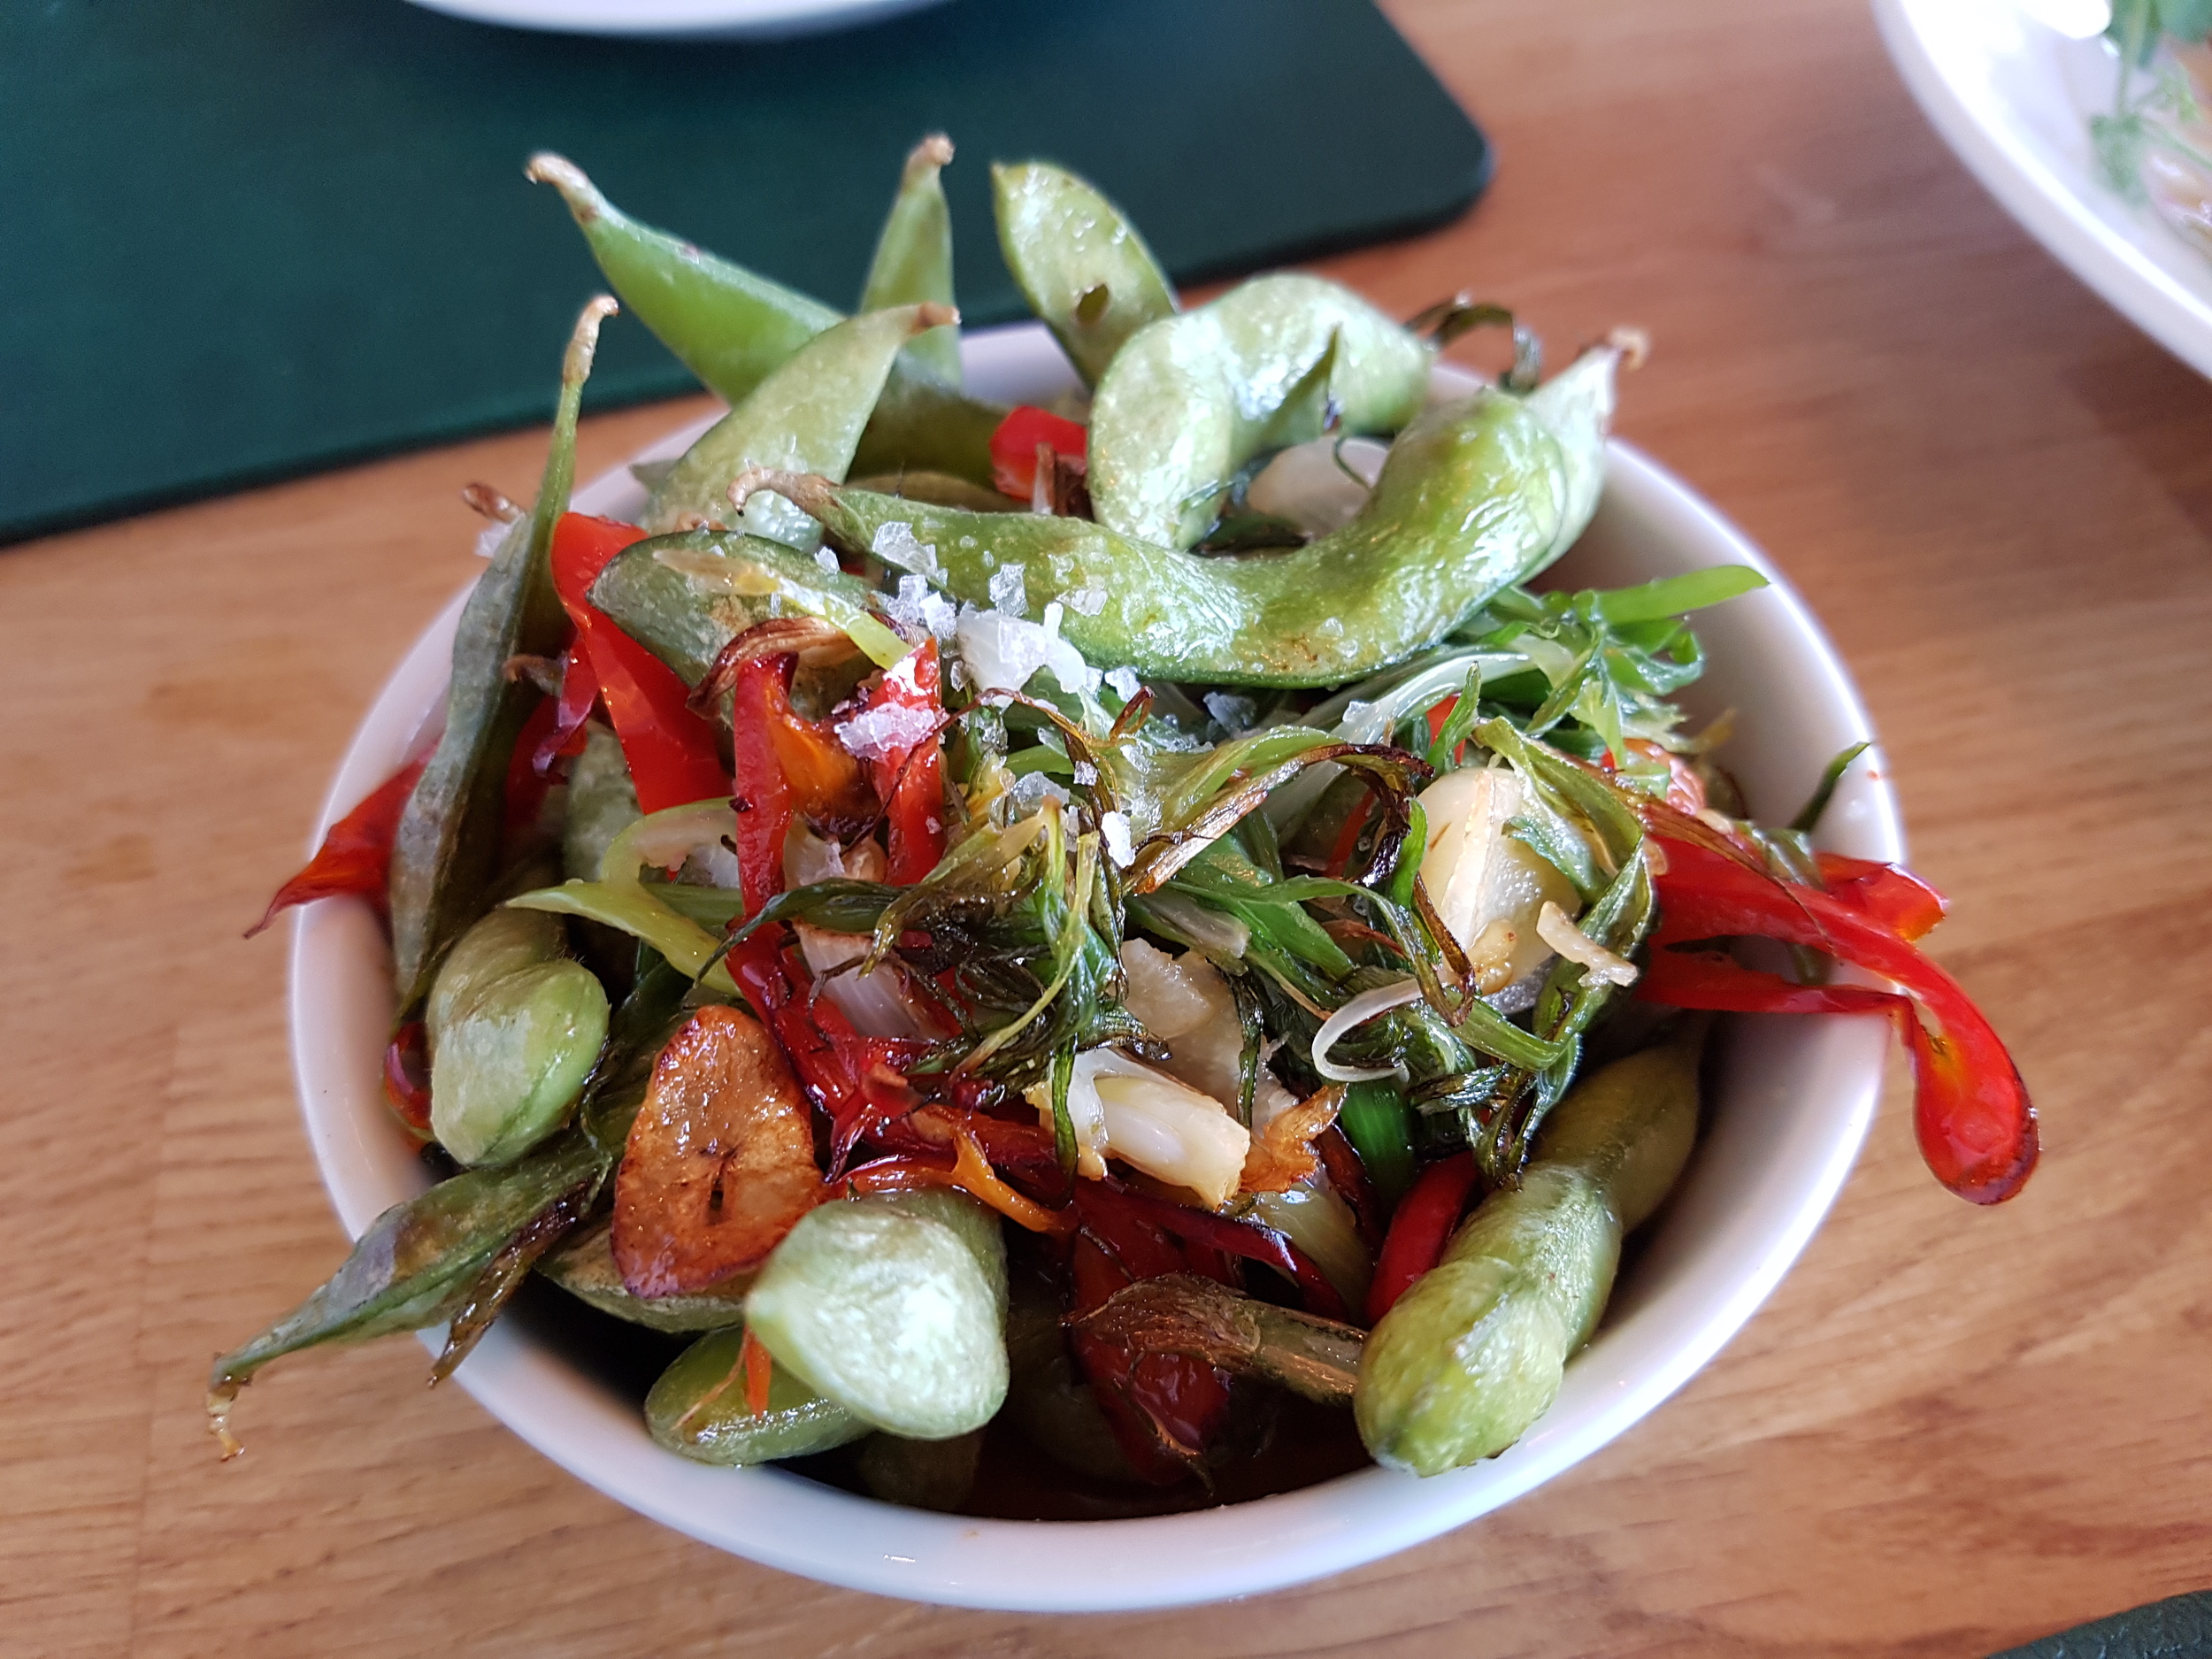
point(2046, 206)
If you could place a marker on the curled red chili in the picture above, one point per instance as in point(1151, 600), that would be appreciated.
point(1971, 1113)
point(355, 857)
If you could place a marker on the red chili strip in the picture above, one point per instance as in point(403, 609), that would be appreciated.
point(858, 1081)
point(672, 753)
point(762, 797)
point(910, 779)
point(407, 1077)
point(1349, 1176)
point(1419, 1229)
point(355, 857)
point(1246, 1240)
point(1896, 898)
point(1014, 447)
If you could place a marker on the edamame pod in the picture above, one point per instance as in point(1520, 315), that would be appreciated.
point(731, 327)
point(1470, 502)
point(1473, 1354)
point(806, 414)
point(895, 1307)
point(446, 851)
point(698, 1409)
point(921, 1474)
point(1191, 398)
point(1080, 265)
point(514, 1028)
point(602, 804)
point(584, 1266)
point(913, 260)
point(685, 597)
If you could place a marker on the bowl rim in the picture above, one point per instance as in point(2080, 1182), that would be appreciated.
point(340, 969)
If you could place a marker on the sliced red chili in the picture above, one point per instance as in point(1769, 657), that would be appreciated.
point(1419, 1229)
point(407, 1077)
point(355, 857)
point(1894, 898)
point(672, 753)
point(910, 779)
point(1014, 447)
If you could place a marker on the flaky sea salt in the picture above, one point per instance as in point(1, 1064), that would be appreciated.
point(896, 543)
point(1088, 602)
point(1231, 712)
point(1125, 682)
point(827, 562)
point(1009, 593)
point(885, 733)
point(1114, 827)
point(490, 538)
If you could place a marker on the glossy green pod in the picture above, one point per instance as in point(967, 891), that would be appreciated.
point(602, 804)
point(698, 1409)
point(1470, 1357)
point(731, 327)
point(895, 1307)
point(807, 414)
point(913, 258)
point(1080, 265)
point(686, 596)
point(584, 1266)
point(446, 852)
point(1471, 501)
point(514, 1028)
point(1191, 398)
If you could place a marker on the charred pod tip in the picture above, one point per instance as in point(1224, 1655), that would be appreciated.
point(582, 196)
point(933, 151)
point(808, 492)
point(584, 343)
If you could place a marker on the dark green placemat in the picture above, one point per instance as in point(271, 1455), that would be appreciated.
point(243, 240)
point(2177, 1628)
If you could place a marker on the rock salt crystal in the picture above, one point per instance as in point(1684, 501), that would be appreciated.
point(896, 543)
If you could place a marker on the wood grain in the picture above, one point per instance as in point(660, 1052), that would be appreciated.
point(1949, 1431)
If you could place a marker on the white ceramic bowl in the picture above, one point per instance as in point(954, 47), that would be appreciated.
point(1794, 1100)
point(2013, 95)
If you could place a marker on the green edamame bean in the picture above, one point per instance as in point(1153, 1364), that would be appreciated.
point(913, 261)
point(1191, 398)
point(1471, 501)
point(807, 413)
point(514, 1028)
point(446, 852)
point(731, 327)
point(584, 1266)
point(685, 597)
point(1474, 1353)
point(1080, 265)
point(895, 1307)
point(602, 804)
point(698, 1409)
point(921, 1474)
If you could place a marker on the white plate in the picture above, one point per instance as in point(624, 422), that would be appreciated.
point(2013, 96)
point(677, 19)
point(1794, 1099)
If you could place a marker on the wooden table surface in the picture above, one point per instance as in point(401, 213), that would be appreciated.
point(1948, 1430)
